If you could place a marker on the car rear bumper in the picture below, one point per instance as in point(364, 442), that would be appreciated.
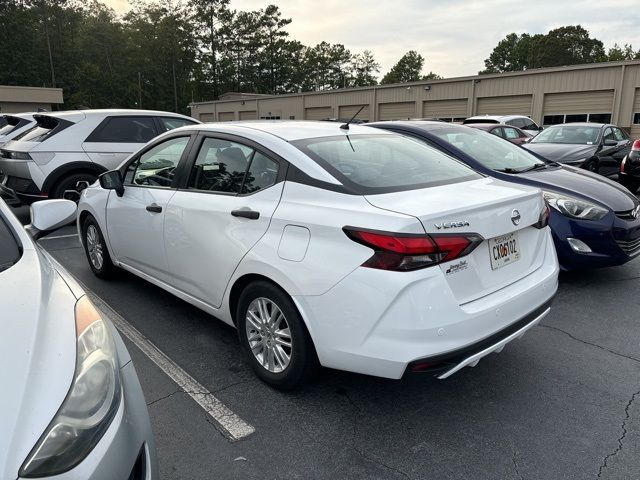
point(17, 182)
point(127, 449)
point(613, 241)
point(378, 323)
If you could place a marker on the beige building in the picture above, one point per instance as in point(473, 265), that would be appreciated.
point(28, 99)
point(605, 92)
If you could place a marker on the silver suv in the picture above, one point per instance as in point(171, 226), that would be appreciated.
point(520, 121)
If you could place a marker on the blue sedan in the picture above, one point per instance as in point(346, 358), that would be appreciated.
point(594, 221)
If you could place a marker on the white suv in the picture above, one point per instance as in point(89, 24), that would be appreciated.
point(65, 151)
point(520, 121)
point(15, 124)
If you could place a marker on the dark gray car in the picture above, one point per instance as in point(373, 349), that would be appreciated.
point(597, 147)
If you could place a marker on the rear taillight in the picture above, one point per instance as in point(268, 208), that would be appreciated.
point(624, 163)
point(404, 252)
point(543, 220)
point(636, 145)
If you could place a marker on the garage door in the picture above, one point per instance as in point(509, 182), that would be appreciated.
point(250, 115)
point(635, 121)
point(317, 113)
point(445, 108)
point(600, 101)
point(348, 111)
point(207, 117)
point(509, 105)
point(397, 111)
point(226, 116)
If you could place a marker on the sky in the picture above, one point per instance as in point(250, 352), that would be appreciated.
point(454, 36)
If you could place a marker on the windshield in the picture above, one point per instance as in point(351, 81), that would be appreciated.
point(569, 134)
point(379, 163)
point(9, 248)
point(489, 150)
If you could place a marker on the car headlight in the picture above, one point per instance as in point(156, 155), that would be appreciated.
point(574, 207)
point(90, 405)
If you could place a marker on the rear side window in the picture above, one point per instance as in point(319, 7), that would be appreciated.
point(384, 163)
point(45, 128)
point(124, 130)
point(9, 248)
point(169, 123)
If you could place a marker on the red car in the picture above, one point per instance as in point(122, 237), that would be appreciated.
point(513, 134)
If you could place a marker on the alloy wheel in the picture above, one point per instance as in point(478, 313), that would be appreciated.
point(268, 334)
point(94, 247)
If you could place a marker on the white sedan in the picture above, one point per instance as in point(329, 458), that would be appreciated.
point(327, 244)
point(72, 406)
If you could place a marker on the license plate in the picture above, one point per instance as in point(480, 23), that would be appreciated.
point(504, 250)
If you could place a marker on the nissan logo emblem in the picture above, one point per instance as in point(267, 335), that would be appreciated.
point(515, 217)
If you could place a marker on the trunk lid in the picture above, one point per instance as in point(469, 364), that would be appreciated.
point(484, 207)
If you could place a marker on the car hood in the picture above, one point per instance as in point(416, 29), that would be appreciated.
point(37, 352)
point(562, 153)
point(585, 184)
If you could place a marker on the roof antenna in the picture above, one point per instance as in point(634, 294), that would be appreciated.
point(346, 125)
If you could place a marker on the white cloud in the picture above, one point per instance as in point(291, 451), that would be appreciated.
point(455, 36)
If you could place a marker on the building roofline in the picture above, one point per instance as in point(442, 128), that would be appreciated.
point(532, 71)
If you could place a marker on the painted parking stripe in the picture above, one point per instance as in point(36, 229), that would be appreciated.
point(228, 423)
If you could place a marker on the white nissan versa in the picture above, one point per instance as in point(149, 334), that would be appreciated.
point(71, 406)
point(327, 244)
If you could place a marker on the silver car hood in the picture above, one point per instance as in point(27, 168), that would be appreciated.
point(37, 353)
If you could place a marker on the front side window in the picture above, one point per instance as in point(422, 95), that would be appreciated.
point(618, 134)
point(608, 134)
point(124, 130)
point(511, 133)
point(569, 134)
point(382, 163)
point(516, 122)
point(156, 167)
point(529, 125)
point(169, 123)
point(489, 151)
point(498, 132)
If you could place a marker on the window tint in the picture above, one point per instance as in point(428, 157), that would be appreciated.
point(516, 122)
point(169, 123)
point(156, 167)
point(9, 248)
point(220, 166)
point(608, 134)
point(511, 133)
point(384, 162)
point(124, 130)
point(529, 124)
point(487, 150)
point(262, 173)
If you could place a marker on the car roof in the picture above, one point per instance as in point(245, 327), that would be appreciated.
point(582, 124)
point(496, 117)
point(289, 130)
point(424, 125)
point(77, 115)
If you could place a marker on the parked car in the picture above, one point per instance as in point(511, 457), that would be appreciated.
point(511, 134)
point(629, 175)
point(598, 147)
point(73, 407)
point(595, 221)
point(343, 246)
point(65, 151)
point(520, 121)
point(14, 125)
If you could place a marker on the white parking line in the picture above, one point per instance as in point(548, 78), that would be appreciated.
point(59, 236)
point(228, 423)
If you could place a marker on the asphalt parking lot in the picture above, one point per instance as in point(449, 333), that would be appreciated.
point(562, 402)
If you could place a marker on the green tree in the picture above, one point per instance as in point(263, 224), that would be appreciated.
point(511, 54)
point(617, 53)
point(364, 69)
point(325, 67)
point(570, 45)
point(408, 69)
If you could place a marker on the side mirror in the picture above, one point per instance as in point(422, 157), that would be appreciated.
point(112, 180)
point(610, 143)
point(49, 215)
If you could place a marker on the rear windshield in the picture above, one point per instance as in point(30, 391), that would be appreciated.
point(9, 248)
point(10, 124)
point(384, 163)
point(479, 120)
point(45, 127)
point(489, 150)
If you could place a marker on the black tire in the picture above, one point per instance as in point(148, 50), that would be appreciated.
point(303, 361)
point(69, 183)
point(105, 269)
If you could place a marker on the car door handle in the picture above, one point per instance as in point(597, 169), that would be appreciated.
point(246, 213)
point(154, 208)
